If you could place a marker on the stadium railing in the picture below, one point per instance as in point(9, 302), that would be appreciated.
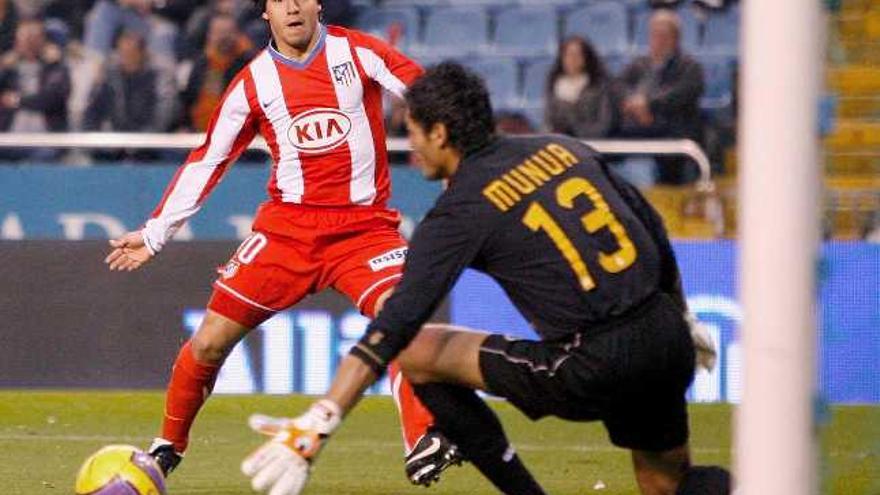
point(105, 140)
point(711, 210)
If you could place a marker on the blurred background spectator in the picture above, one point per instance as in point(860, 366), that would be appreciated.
point(226, 52)
point(8, 21)
point(34, 86)
point(196, 29)
point(395, 120)
point(662, 95)
point(108, 17)
point(338, 12)
point(579, 100)
point(125, 98)
point(178, 12)
point(670, 74)
point(512, 123)
point(103, 23)
point(72, 13)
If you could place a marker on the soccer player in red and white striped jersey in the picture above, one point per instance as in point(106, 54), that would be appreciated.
point(315, 95)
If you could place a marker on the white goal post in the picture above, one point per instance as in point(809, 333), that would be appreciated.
point(781, 56)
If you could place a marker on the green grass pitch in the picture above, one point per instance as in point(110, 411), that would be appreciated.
point(44, 436)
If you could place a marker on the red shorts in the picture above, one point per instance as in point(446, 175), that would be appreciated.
point(298, 250)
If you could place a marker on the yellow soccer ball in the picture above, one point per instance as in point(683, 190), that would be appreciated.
point(120, 470)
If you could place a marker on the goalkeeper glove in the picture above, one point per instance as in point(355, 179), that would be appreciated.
point(281, 465)
point(703, 343)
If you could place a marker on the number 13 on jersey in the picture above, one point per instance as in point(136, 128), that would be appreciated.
point(538, 218)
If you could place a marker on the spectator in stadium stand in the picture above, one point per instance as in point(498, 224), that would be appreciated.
point(124, 100)
point(104, 22)
point(579, 96)
point(108, 17)
point(34, 85)
point(195, 31)
point(395, 118)
point(662, 95)
point(177, 11)
point(71, 12)
point(226, 52)
point(511, 123)
point(8, 22)
point(338, 12)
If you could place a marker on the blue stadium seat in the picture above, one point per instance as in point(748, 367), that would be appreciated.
point(455, 31)
point(379, 21)
point(827, 111)
point(526, 31)
point(427, 60)
point(615, 64)
point(604, 24)
point(413, 3)
point(535, 81)
point(552, 3)
point(722, 33)
point(535, 114)
point(502, 77)
point(718, 77)
point(690, 30)
point(488, 3)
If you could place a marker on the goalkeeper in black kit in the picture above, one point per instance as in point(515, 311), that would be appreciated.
point(582, 256)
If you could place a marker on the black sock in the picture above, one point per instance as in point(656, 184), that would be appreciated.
point(466, 420)
point(705, 480)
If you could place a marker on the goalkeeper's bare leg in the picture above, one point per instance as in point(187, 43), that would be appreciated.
point(441, 356)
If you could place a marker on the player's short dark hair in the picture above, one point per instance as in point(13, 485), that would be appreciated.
point(456, 97)
point(261, 4)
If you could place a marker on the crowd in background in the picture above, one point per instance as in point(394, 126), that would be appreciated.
point(123, 65)
point(162, 66)
point(656, 96)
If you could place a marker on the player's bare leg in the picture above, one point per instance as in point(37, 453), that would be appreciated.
point(445, 353)
point(443, 364)
point(427, 451)
point(192, 380)
point(659, 473)
point(216, 337)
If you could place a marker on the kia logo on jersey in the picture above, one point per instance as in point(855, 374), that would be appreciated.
point(318, 130)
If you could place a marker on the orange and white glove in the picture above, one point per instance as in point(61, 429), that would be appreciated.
point(704, 345)
point(281, 465)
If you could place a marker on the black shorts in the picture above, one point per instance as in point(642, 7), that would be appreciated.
point(631, 374)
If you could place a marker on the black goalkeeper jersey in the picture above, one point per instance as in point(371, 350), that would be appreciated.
point(571, 244)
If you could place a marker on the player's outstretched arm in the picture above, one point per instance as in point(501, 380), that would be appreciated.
point(129, 252)
point(281, 465)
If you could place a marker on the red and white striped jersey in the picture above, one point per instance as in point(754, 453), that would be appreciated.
point(322, 119)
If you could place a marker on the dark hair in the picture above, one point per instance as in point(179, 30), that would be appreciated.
point(261, 5)
point(137, 36)
point(456, 97)
point(593, 65)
